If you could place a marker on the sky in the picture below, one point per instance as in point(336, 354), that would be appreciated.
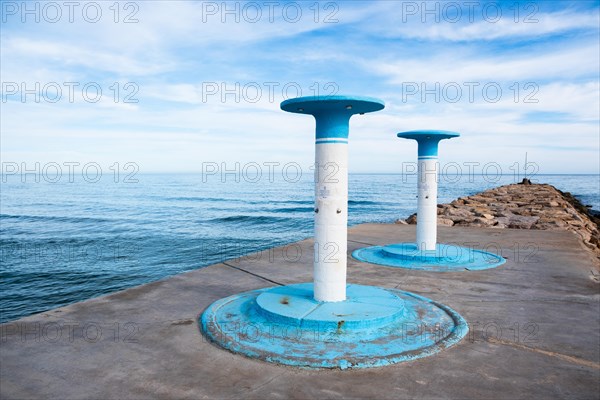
point(172, 86)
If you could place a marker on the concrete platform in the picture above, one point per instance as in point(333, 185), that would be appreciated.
point(534, 330)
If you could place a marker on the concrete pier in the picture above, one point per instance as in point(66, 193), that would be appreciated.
point(534, 327)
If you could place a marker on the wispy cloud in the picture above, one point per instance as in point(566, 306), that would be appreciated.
point(534, 64)
point(472, 21)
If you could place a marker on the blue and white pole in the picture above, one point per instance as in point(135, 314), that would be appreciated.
point(332, 115)
point(427, 184)
point(294, 324)
point(426, 253)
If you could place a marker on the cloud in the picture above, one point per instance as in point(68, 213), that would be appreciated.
point(537, 65)
point(476, 21)
point(80, 56)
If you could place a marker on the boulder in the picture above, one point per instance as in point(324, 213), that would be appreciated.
point(522, 222)
point(445, 221)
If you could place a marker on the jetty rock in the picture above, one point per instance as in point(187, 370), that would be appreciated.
point(524, 205)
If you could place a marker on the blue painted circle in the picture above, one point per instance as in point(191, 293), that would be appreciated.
point(428, 134)
point(365, 306)
point(332, 113)
point(428, 140)
point(422, 328)
point(326, 104)
point(445, 258)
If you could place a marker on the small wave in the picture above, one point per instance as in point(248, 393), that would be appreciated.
point(44, 218)
point(288, 201)
point(202, 199)
point(250, 219)
point(286, 210)
point(364, 203)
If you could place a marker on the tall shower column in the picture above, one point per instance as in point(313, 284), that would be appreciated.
point(428, 171)
point(332, 115)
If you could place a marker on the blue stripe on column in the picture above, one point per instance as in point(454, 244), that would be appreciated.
point(331, 140)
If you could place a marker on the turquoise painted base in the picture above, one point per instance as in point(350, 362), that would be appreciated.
point(373, 327)
point(445, 258)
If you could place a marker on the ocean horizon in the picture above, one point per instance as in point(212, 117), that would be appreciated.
point(66, 242)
